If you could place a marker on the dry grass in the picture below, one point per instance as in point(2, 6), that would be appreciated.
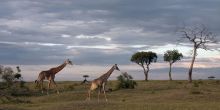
point(152, 95)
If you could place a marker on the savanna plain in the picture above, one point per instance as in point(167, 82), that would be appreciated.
point(151, 95)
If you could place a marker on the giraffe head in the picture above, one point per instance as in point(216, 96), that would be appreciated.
point(68, 62)
point(116, 67)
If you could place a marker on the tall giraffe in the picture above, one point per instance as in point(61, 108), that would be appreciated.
point(50, 75)
point(101, 82)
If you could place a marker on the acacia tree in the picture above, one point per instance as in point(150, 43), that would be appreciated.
point(172, 56)
point(144, 59)
point(85, 80)
point(199, 36)
point(85, 76)
point(18, 74)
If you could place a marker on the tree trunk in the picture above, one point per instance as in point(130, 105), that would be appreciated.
point(170, 73)
point(146, 73)
point(192, 63)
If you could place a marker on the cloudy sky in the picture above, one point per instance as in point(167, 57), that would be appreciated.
point(95, 34)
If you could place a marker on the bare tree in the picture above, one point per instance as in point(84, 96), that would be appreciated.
point(199, 36)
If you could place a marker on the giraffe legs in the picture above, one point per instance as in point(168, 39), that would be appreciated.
point(48, 88)
point(55, 86)
point(103, 88)
point(42, 84)
point(100, 90)
point(88, 95)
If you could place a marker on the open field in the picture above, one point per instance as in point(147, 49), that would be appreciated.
point(152, 95)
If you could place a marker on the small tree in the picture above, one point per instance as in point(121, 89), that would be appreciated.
point(8, 76)
point(172, 56)
point(18, 74)
point(8, 88)
point(85, 80)
point(199, 36)
point(144, 59)
point(85, 76)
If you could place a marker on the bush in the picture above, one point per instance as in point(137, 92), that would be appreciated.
point(7, 76)
point(12, 85)
point(126, 81)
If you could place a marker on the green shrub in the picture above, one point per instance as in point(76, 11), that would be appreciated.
point(7, 76)
point(126, 81)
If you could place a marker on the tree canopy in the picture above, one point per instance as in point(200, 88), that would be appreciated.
point(144, 59)
point(172, 56)
point(85, 76)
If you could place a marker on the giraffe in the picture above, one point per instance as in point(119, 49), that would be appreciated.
point(50, 75)
point(101, 82)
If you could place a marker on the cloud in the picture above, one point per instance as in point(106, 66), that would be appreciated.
point(31, 43)
point(93, 47)
point(5, 32)
point(92, 32)
point(93, 37)
point(65, 36)
point(186, 49)
point(109, 46)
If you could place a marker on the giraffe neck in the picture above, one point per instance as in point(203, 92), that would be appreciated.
point(107, 75)
point(110, 71)
point(59, 68)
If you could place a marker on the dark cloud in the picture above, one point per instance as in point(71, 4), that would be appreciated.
point(125, 22)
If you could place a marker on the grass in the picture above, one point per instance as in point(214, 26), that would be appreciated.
point(152, 95)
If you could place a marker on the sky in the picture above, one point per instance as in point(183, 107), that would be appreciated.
point(95, 34)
